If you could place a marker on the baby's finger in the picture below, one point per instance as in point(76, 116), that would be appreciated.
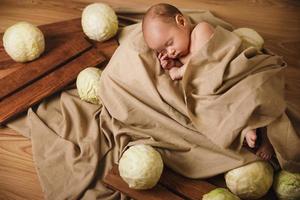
point(164, 57)
point(164, 64)
point(159, 55)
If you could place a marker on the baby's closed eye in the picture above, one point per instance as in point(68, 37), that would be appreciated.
point(169, 43)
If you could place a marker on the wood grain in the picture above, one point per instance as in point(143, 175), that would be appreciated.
point(52, 82)
point(58, 52)
point(5, 60)
point(192, 189)
point(18, 178)
point(189, 188)
point(23, 84)
point(278, 21)
point(114, 181)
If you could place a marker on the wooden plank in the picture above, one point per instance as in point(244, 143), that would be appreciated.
point(47, 85)
point(186, 188)
point(73, 27)
point(62, 30)
point(5, 60)
point(57, 52)
point(14, 76)
point(50, 31)
point(114, 181)
point(58, 29)
point(189, 188)
point(106, 48)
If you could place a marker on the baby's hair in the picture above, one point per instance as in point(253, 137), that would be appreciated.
point(165, 12)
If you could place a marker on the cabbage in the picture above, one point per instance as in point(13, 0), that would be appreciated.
point(141, 166)
point(249, 38)
point(220, 194)
point(87, 84)
point(23, 42)
point(251, 181)
point(287, 185)
point(99, 22)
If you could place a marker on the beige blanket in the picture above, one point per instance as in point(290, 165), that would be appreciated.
point(197, 124)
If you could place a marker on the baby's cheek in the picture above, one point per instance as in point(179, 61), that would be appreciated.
point(183, 47)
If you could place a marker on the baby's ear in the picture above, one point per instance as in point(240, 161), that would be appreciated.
point(180, 20)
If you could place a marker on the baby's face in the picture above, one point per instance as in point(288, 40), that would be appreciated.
point(168, 38)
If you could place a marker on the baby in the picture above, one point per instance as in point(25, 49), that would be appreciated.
point(175, 39)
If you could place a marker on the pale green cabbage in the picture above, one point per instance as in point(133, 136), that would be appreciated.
point(287, 185)
point(220, 194)
point(141, 166)
point(251, 181)
point(88, 85)
point(23, 42)
point(99, 21)
point(249, 38)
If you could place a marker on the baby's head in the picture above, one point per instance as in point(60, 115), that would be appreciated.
point(166, 30)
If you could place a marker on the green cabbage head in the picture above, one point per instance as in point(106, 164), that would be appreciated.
point(88, 85)
point(220, 194)
point(141, 166)
point(251, 181)
point(287, 185)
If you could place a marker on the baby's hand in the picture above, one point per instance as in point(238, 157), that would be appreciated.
point(175, 73)
point(165, 62)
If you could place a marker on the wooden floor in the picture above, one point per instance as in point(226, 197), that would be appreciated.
point(277, 21)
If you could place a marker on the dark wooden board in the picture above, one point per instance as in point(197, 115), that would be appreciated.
point(114, 181)
point(52, 82)
point(173, 184)
point(68, 51)
point(189, 188)
point(170, 186)
point(57, 52)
